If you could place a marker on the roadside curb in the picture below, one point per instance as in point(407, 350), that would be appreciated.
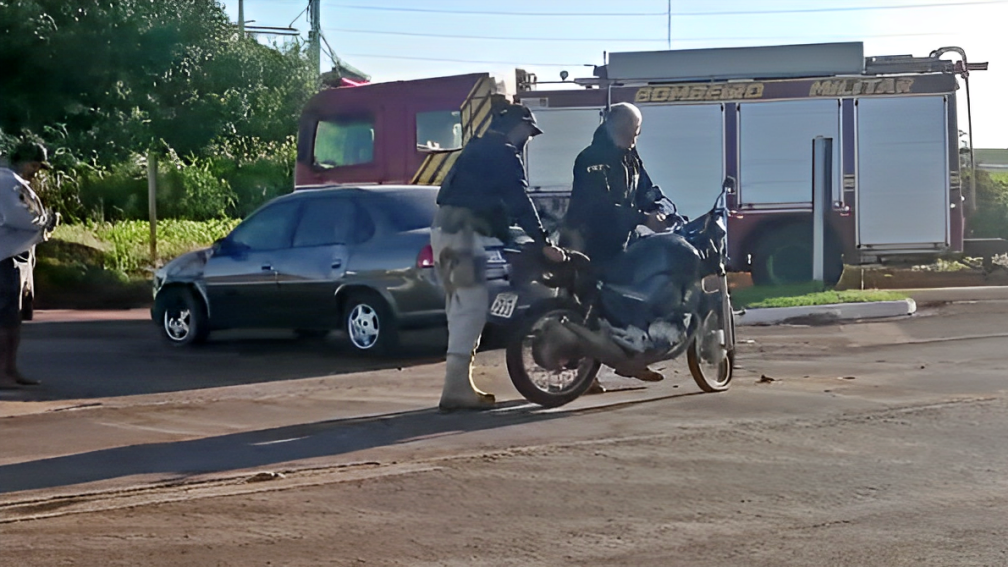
point(954, 294)
point(819, 314)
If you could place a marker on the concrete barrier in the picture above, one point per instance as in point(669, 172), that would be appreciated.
point(817, 314)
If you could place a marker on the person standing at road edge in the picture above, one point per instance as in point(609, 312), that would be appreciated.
point(19, 231)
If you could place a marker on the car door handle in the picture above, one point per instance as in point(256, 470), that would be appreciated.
point(267, 267)
point(337, 264)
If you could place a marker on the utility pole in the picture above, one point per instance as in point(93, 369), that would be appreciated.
point(315, 36)
point(152, 203)
point(668, 24)
point(241, 18)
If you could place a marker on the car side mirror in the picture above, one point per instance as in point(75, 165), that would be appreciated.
point(224, 247)
point(729, 185)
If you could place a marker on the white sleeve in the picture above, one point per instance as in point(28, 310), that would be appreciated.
point(22, 217)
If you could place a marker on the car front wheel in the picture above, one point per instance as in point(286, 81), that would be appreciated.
point(182, 317)
point(369, 324)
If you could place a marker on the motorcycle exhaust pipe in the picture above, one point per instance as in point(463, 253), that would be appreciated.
point(555, 346)
point(597, 346)
point(561, 342)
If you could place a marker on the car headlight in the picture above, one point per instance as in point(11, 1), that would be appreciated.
point(158, 282)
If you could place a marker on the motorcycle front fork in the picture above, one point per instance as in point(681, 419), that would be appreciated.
point(720, 289)
point(726, 313)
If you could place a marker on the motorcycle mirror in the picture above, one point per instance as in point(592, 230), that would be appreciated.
point(729, 185)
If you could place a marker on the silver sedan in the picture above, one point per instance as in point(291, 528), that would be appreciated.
point(357, 259)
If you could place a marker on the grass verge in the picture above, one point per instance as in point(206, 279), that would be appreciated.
point(806, 294)
point(108, 265)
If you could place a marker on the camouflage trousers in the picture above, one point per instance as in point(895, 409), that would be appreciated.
point(460, 262)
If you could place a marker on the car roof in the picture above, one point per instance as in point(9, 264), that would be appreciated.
point(364, 188)
point(355, 189)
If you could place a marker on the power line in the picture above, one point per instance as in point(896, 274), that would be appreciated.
point(299, 15)
point(491, 37)
point(687, 40)
point(516, 63)
point(842, 9)
point(652, 40)
point(494, 13)
point(668, 13)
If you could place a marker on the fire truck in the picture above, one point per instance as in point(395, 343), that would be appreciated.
point(895, 191)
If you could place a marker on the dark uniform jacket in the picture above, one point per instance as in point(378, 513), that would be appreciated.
point(611, 195)
point(489, 179)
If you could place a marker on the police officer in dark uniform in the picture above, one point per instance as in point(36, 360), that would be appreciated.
point(611, 196)
point(481, 194)
point(612, 191)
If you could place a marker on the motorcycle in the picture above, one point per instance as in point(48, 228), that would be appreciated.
point(666, 295)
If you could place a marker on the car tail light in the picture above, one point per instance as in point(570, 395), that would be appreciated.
point(425, 259)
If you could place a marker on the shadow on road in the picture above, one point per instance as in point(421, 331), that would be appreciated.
point(268, 447)
point(256, 449)
point(122, 358)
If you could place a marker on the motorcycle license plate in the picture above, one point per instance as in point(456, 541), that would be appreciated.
point(495, 257)
point(504, 305)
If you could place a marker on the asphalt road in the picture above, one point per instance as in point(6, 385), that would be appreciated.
point(875, 443)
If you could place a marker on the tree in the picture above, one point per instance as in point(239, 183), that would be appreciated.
point(120, 76)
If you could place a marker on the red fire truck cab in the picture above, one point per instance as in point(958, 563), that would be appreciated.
point(398, 132)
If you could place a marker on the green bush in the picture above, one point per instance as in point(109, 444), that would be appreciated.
point(223, 186)
point(193, 191)
point(116, 193)
point(266, 171)
point(990, 220)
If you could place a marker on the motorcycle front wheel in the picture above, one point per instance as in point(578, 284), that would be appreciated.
point(711, 361)
point(540, 385)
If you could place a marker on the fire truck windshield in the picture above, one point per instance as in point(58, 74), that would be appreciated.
point(341, 142)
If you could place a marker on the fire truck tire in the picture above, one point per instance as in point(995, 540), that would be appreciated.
point(785, 256)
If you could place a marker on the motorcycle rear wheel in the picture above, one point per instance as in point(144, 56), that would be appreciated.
point(711, 364)
point(540, 385)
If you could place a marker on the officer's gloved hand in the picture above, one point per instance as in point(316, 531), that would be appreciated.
point(676, 221)
point(656, 221)
point(554, 253)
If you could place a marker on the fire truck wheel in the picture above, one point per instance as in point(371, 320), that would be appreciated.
point(785, 256)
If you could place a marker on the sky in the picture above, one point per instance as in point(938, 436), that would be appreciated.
point(409, 39)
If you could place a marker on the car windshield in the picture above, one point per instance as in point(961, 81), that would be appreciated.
point(407, 210)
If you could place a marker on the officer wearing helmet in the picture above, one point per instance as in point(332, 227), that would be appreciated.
point(482, 193)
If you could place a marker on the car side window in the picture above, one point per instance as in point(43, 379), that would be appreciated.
point(364, 227)
point(325, 221)
point(268, 229)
